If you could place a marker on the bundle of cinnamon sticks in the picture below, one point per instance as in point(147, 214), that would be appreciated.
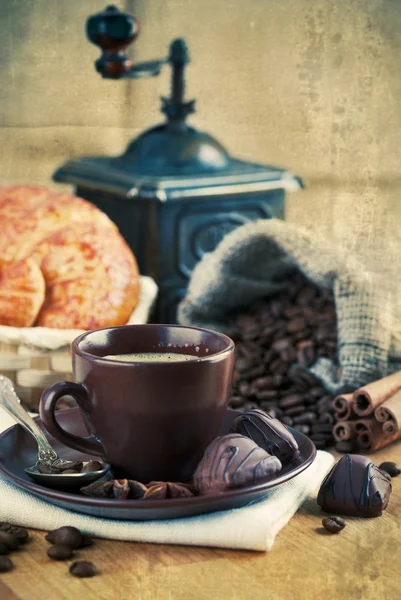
point(371, 415)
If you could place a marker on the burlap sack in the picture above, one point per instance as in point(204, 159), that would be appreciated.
point(251, 263)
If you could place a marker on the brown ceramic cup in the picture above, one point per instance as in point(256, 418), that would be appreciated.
point(150, 421)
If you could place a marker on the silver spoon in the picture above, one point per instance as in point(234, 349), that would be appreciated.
point(10, 402)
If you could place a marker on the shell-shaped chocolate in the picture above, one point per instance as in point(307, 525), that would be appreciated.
point(232, 461)
point(354, 487)
point(268, 433)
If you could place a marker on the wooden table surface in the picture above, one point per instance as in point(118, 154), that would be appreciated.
point(362, 562)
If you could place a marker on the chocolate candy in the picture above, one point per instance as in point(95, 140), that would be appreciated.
point(354, 487)
point(232, 461)
point(268, 433)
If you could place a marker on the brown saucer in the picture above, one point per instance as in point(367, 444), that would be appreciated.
point(18, 449)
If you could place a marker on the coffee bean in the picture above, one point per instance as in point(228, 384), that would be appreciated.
point(288, 355)
point(9, 540)
point(21, 534)
point(65, 536)
point(5, 564)
point(295, 410)
point(266, 395)
point(306, 356)
point(391, 468)
point(317, 391)
point(305, 429)
point(322, 428)
point(286, 420)
point(83, 568)
point(296, 324)
point(264, 383)
point(71, 465)
point(333, 524)
point(236, 401)
point(346, 446)
point(59, 552)
point(277, 380)
point(327, 418)
point(47, 469)
point(4, 549)
point(290, 401)
point(245, 390)
point(306, 417)
point(281, 344)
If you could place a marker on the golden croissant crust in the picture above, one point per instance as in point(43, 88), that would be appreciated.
point(63, 261)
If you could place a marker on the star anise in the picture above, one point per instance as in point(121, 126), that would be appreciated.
point(159, 490)
point(121, 489)
point(137, 489)
point(99, 489)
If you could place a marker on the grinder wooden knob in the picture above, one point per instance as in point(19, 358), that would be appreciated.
point(112, 30)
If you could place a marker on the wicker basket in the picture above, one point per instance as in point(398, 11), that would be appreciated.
point(32, 370)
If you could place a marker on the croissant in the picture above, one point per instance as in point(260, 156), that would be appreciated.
point(63, 263)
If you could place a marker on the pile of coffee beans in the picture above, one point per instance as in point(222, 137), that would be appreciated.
point(276, 340)
point(70, 467)
point(65, 541)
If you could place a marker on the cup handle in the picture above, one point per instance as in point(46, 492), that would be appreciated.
point(47, 406)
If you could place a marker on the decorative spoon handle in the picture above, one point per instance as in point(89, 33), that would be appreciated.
point(10, 402)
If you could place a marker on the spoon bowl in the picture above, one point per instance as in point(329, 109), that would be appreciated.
point(47, 456)
point(67, 481)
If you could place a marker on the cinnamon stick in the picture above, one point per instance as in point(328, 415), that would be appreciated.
point(367, 398)
point(389, 413)
point(343, 407)
point(370, 434)
point(390, 427)
point(344, 430)
point(377, 441)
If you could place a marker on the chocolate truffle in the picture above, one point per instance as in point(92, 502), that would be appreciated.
point(354, 487)
point(232, 461)
point(268, 433)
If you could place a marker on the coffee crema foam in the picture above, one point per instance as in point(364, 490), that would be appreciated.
point(149, 357)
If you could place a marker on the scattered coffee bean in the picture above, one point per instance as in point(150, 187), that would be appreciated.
point(5, 564)
point(333, 524)
point(21, 534)
point(391, 468)
point(65, 536)
point(9, 540)
point(83, 568)
point(346, 446)
point(59, 552)
point(4, 549)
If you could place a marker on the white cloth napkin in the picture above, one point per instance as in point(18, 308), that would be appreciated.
point(252, 527)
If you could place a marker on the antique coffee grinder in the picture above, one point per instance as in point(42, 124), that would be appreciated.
point(175, 192)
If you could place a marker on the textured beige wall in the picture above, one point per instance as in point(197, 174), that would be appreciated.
point(312, 85)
